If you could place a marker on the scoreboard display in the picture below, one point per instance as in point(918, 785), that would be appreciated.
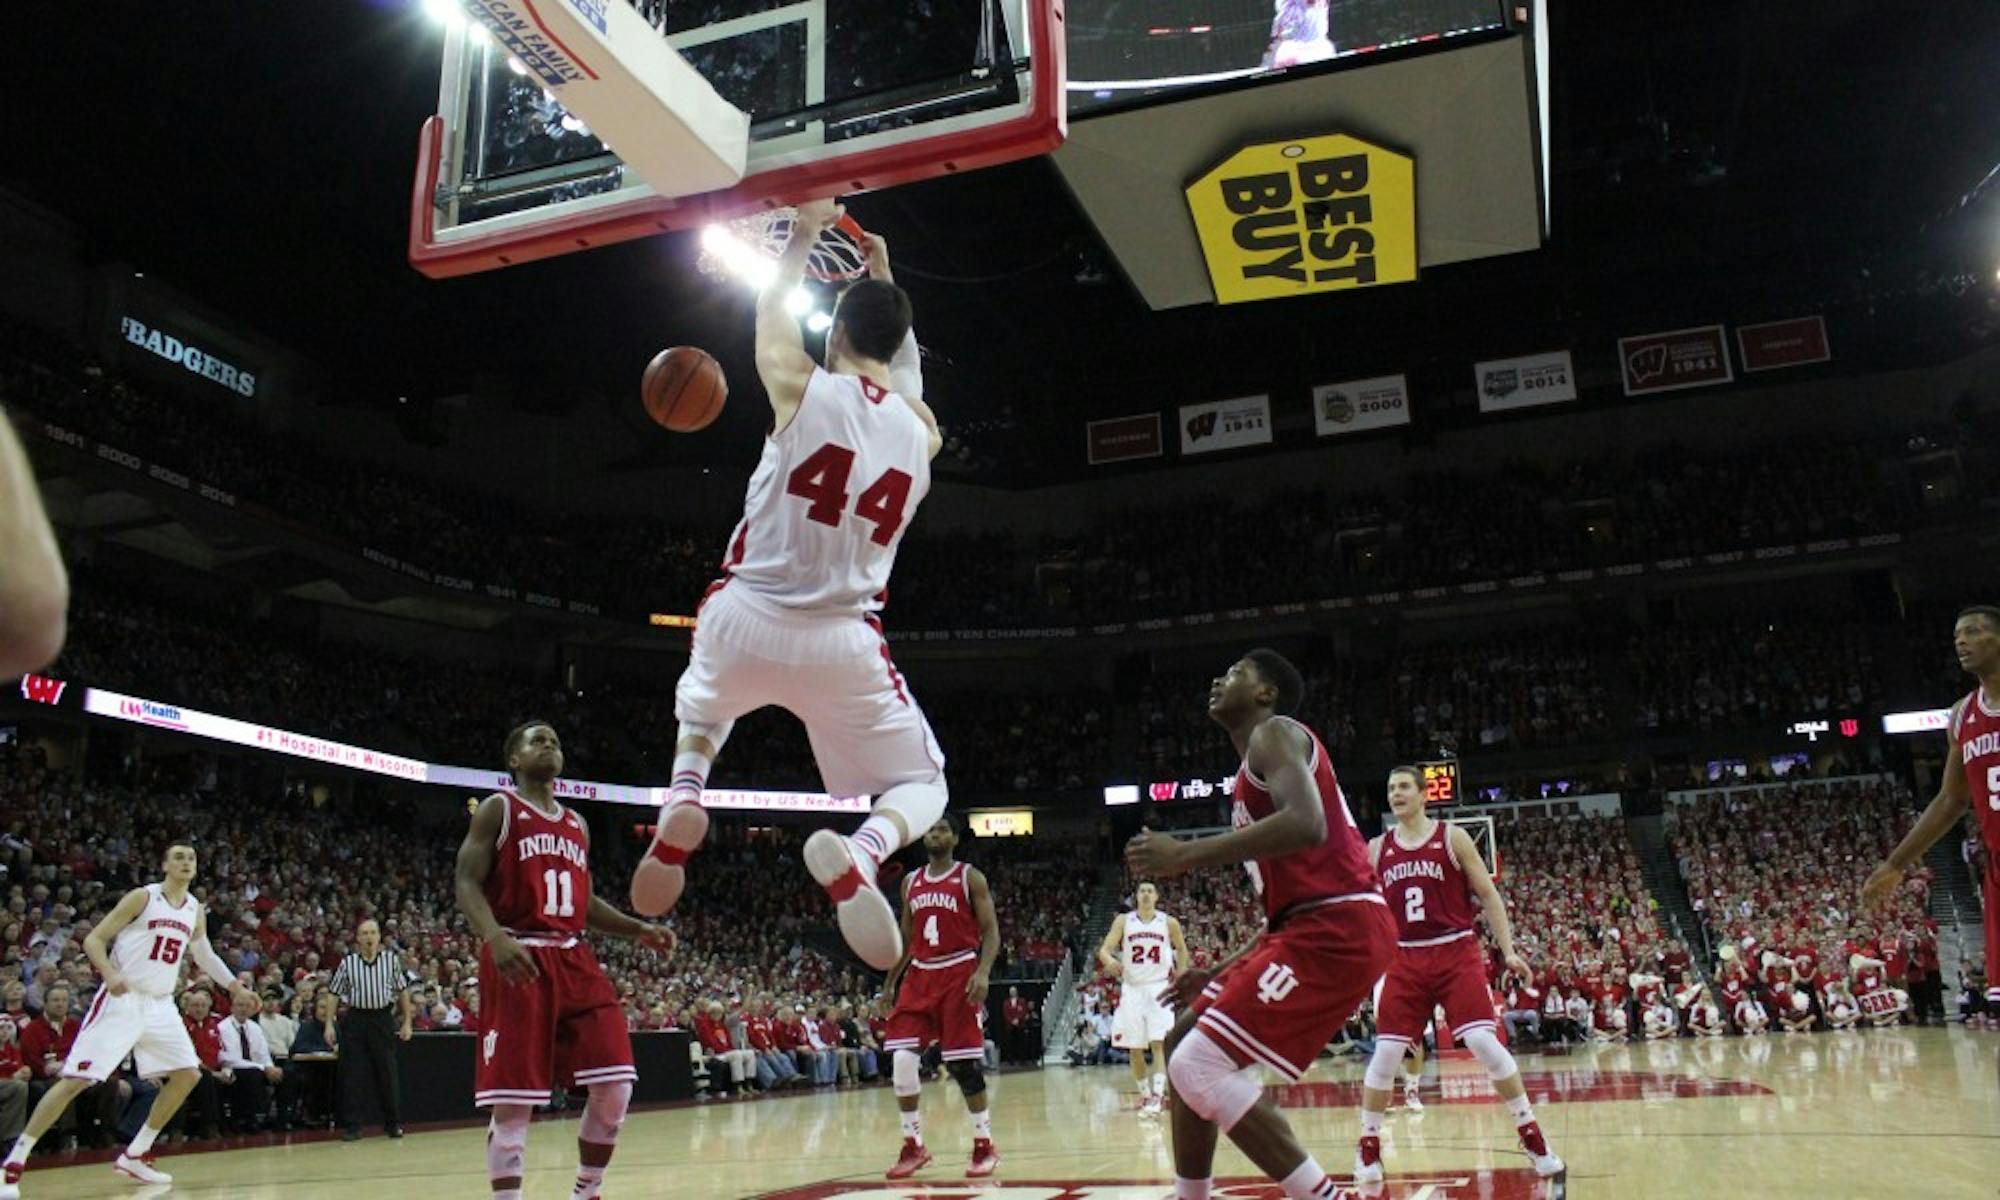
point(1441, 782)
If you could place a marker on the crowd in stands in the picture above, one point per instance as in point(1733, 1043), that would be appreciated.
point(1169, 558)
point(1773, 876)
point(1499, 693)
point(1179, 740)
point(1734, 674)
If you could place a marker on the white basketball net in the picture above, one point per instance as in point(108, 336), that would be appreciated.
point(747, 247)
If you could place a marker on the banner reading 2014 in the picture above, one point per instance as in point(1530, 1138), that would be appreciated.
point(1316, 214)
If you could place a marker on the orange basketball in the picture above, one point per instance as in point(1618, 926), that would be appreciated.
point(684, 389)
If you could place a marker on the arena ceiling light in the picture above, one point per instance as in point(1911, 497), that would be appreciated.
point(744, 261)
point(448, 13)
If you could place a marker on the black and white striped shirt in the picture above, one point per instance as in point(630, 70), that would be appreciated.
point(365, 985)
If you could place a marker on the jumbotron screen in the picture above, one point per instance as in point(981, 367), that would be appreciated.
point(1122, 51)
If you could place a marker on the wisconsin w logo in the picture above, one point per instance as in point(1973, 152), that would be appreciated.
point(1201, 426)
point(40, 689)
point(1275, 983)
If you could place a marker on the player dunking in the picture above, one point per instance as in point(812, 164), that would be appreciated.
point(137, 949)
point(550, 1016)
point(792, 620)
point(1327, 936)
point(951, 938)
point(1433, 878)
point(1971, 779)
point(1144, 950)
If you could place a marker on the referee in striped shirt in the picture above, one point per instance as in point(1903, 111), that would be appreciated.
point(372, 984)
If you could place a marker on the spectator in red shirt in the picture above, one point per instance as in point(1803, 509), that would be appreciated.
point(1014, 1027)
point(203, 1110)
point(729, 1065)
point(45, 1043)
point(762, 1030)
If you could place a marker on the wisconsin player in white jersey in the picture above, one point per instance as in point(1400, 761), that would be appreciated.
point(137, 949)
point(1144, 951)
point(792, 620)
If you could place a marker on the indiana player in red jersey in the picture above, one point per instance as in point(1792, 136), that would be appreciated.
point(548, 1015)
point(950, 937)
point(1971, 779)
point(792, 621)
point(1327, 938)
point(1436, 885)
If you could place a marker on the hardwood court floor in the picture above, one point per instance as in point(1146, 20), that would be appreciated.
point(1913, 1112)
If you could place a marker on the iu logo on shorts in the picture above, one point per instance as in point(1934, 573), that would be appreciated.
point(492, 1040)
point(1275, 983)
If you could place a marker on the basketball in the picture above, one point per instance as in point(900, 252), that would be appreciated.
point(684, 389)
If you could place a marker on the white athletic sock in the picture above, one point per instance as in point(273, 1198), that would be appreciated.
point(1522, 1110)
point(1371, 1123)
point(918, 804)
point(982, 1124)
point(913, 1127)
point(589, 1181)
point(507, 1194)
point(142, 1141)
point(22, 1144)
point(690, 776)
point(1191, 1189)
point(1309, 1182)
point(1160, 1084)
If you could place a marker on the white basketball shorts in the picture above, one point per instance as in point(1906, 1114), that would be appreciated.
point(832, 671)
point(1141, 1018)
point(148, 1028)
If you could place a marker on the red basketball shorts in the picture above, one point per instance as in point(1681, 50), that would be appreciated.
point(1421, 978)
point(931, 1007)
point(1281, 1003)
point(560, 1028)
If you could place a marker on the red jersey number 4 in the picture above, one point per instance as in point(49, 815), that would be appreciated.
point(821, 481)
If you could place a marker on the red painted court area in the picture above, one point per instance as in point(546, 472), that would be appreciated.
point(1581, 1086)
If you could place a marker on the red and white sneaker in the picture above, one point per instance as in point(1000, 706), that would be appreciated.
point(141, 1169)
point(866, 920)
point(1368, 1160)
point(985, 1159)
point(11, 1188)
point(915, 1157)
point(1537, 1146)
point(662, 874)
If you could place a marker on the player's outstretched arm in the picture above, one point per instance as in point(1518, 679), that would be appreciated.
point(603, 918)
point(469, 874)
point(989, 935)
point(97, 943)
point(1107, 952)
point(1480, 880)
point(782, 362)
point(1281, 756)
point(1943, 813)
point(34, 587)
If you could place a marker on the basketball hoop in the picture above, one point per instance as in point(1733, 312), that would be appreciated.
point(736, 246)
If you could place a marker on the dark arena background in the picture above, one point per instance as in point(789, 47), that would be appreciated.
point(1626, 462)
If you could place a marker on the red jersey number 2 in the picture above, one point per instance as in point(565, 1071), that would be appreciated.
point(821, 481)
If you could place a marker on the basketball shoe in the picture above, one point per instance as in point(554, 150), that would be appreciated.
point(848, 875)
point(141, 1169)
point(661, 875)
point(1537, 1146)
point(985, 1159)
point(915, 1157)
point(10, 1182)
point(1368, 1160)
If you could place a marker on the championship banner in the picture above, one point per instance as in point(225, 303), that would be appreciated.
point(1672, 361)
point(1361, 404)
point(1525, 382)
point(1122, 438)
point(1225, 424)
point(1777, 344)
point(1319, 214)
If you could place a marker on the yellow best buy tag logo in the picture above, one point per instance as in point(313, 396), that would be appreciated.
point(1309, 215)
